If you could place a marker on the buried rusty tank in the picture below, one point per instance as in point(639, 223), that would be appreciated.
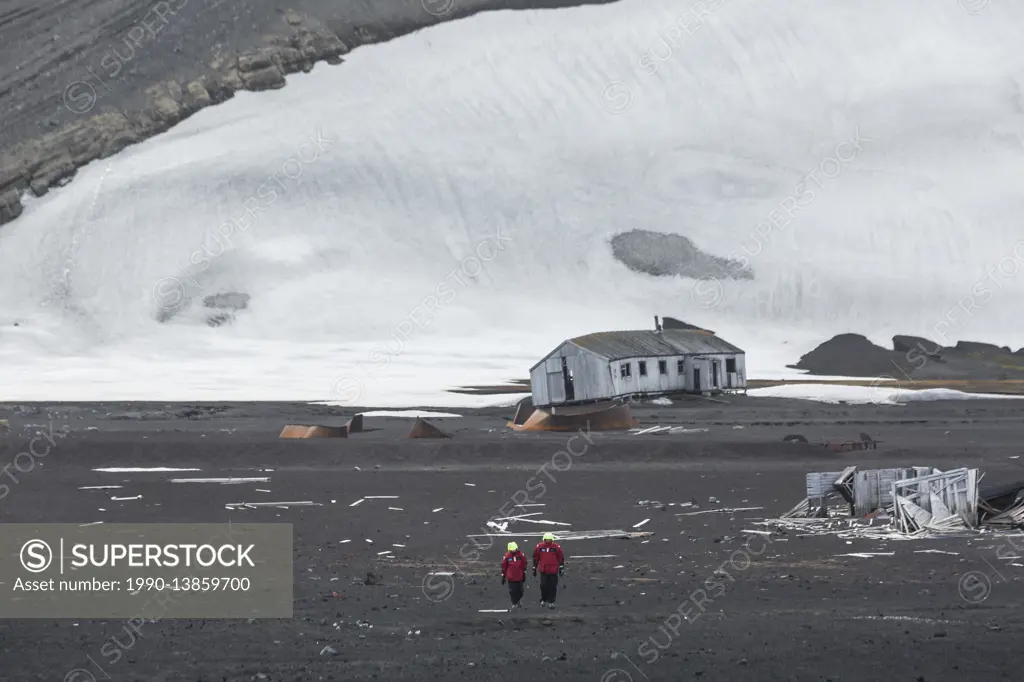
point(606, 416)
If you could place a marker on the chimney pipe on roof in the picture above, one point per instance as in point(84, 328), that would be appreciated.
point(657, 325)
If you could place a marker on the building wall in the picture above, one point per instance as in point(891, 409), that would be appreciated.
point(539, 385)
point(696, 362)
point(591, 376)
point(654, 382)
point(674, 381)
point(595, 378)
point(741, 371)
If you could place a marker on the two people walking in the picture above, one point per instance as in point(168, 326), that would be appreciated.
point(548, 558)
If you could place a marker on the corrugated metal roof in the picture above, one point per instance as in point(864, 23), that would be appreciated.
point(650, 343)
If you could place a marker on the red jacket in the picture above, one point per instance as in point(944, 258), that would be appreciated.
point(513, 567)
point(547, 557)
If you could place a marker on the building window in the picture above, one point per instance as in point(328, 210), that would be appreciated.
point(624, 370)
point(681, 366)
point(643, 368)
point(730, 365)
point(662, 366)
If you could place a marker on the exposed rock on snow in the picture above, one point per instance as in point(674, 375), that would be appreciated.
point(668, 255)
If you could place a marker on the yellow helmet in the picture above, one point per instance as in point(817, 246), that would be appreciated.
point(512, 546)
point(549, 537)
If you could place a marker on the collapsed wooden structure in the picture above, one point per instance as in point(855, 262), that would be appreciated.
point(914, 499)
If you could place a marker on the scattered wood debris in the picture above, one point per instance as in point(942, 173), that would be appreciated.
point(661, 430)
point(282, 505)
point(868, 555)
point(222, 481)
point(720, 511)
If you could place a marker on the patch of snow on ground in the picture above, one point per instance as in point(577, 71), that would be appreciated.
point(408, 413)
point(866, 395)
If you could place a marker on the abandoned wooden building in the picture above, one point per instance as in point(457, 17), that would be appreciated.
point(637, 364)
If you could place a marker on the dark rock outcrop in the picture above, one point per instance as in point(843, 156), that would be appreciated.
point(904, 344)
point(912, 358)
point(226, 305)
point(848, 355)
point(125, 70)
point(978, 349)
point(231, 300)
point(53, 160)
point(10, 206)
point(669, 255)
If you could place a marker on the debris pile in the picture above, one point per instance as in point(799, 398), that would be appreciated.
point(866, 442)
point(664, 505)
point(850, 445)
point(907, 501)
point(943, 501)
point(1002, 505)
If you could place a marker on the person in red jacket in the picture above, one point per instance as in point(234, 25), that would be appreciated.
point(549, 559)
point(513, 571)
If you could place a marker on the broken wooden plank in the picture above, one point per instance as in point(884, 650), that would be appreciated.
point(720, 511)
point(306, 503)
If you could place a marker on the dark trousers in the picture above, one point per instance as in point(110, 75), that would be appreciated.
point(515, 591)
point(548, 587)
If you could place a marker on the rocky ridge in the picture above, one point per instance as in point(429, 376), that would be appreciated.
point(53, 160)
point(83, 79)
point(913, 358)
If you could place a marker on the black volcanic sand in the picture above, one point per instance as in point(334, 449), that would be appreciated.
point(913, 357)
point(796, 612)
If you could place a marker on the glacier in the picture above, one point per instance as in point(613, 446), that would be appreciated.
point(439, 210)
